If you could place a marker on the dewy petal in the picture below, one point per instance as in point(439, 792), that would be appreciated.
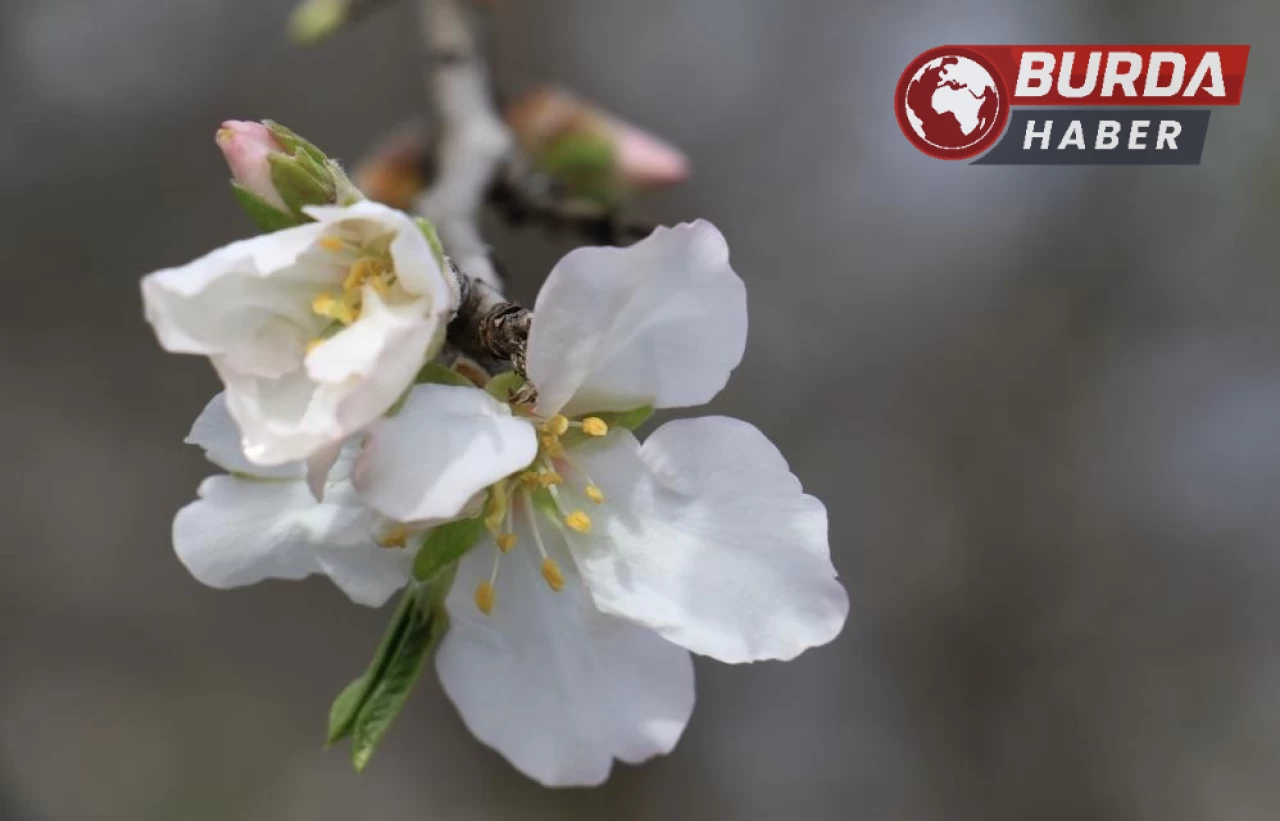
point(445, 445)
point(662, 323)
point(555, 686)
point(216, 432)
point(241, 531)
point(708, 539)
point(248, 302)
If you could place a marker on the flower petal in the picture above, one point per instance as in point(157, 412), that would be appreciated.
point(241, 531)
point(217, 433)
point(445, 445)
point(349, 381)
point(707, 538)
point(660, 323)
point(248, 302)
point(555, 686)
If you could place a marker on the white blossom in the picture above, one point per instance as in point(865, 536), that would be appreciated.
point(258, 523)
point(602, 547)
point(315, 331)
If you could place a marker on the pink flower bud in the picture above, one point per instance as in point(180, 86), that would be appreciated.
point(247, 146)
point(641, 159)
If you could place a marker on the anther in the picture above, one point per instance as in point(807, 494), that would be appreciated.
point(549, 478)
point(550, 572)
point(496, 511)
point(395, 537)
point(579, 521)
point(553, 447)
point(594, 426)
point(556, 425)
point(594, 493)
point(485, 597)
point(506, 541)
point(331, 244)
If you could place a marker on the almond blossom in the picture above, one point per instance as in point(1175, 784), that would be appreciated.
point(315, 331)
point(610, 560)
point(258, 523)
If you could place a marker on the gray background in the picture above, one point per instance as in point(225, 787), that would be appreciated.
point(1042, 405)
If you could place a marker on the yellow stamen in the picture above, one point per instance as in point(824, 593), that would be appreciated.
point(578, 521)
point(395, 537)
point(530, 479)
point(326, 305)
point(485, 597)
point(550, 478)
point(551, 572)
point(506, 541)
point(496, 511)
point(552, 446)
point(594, 493)
point(331, 244)
point(594, 426)
point(556, 425)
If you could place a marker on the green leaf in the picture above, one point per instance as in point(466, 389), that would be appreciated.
point(433, 373)
point(423, 629)
point(266, 216)
point(433, 239)
point(342, 715)
point(502, 386)
point(296, 186)
point(444, 545)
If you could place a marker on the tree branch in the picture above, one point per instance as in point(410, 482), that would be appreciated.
point(471, 143)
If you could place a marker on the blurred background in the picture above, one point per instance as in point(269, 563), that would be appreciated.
point(1042, 406)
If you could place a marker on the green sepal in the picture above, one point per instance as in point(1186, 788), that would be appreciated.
point(503, 386)
point(292, 143)
point(342, 715)
point(433, 239)
point(423, 627)
point(266, 216)
point(444, 545)
point(296, 186)
point(629, 419)
point(433, 373)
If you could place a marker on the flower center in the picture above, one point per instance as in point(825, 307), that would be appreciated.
point(365, 265)
point(541, 490)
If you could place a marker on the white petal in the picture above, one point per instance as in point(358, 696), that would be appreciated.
point(318, 467)
point(556, 687)
point(662, 322)
point(216, 432)
point(241, 531)
point(367, 573)
point(445, 445)
point(248, 302)
point(349, 381)
point(707, 537)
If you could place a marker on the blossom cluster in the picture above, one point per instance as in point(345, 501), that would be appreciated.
point(565, 568)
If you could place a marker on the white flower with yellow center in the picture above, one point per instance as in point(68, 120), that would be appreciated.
point(264, 523)
point(610, 560)
point(315, 331)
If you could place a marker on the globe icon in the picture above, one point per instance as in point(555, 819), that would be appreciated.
point(952, 102)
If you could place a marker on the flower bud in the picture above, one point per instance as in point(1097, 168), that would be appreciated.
point(277, 173)
point(246, 147)
point(594, 153)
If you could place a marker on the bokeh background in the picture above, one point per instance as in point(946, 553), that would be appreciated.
point(1042, 405)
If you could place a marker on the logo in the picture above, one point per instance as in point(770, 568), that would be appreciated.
point(1067, 105)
